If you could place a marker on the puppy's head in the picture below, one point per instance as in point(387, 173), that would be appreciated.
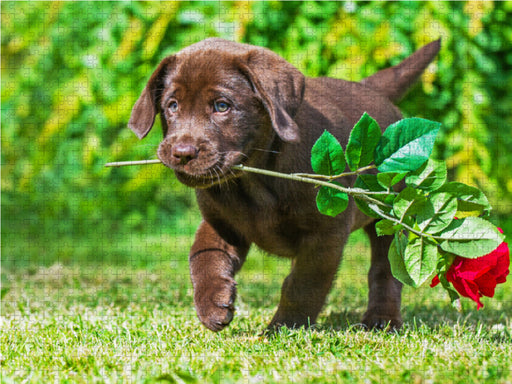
point(219, 102)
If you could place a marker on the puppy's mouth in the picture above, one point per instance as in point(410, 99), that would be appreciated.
point(208, 178)
point(206, 173)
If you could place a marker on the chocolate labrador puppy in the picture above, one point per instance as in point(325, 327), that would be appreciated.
point(222, 103)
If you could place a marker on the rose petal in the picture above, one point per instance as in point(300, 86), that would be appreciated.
point(435, 281)
point(466, 288)
point(501, 270)
point(486, 284)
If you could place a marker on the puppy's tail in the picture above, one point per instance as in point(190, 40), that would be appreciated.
point(394, 82)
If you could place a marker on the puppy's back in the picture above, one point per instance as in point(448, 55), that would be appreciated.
point(336, 105)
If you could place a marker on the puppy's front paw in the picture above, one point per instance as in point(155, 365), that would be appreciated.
point(214, 302)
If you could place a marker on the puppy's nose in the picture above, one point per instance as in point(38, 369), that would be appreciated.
point(183, 153)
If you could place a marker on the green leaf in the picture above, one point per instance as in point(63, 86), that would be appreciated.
point(327, 156)
point(388, 179)
point(330, 201)
point(396, 255)
point(437, 213)
point(470, 200)
point(471, 237)
point(387, 227)
point(408, 202)
point(406, 145)
point(420, 259)
point(362, 142)
point(429, 177)
point(369, 182)
point(362, 205)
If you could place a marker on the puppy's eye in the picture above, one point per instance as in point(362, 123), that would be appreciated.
point(221, 106)
point(173, 106)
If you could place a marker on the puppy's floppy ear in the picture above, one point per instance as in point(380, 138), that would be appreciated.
point(280, 86)
point(145, 109)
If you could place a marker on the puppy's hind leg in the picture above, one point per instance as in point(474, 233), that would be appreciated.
point(384, 290)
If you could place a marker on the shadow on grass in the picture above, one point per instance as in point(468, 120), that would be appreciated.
point(489, 322)
point(341, 321)
point(435, 316)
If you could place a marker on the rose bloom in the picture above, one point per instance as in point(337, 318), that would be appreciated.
point(478, 277)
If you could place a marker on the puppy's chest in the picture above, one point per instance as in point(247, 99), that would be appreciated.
point(276, 224)
point(277, 231)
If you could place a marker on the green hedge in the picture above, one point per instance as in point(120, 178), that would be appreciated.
point(71, 72)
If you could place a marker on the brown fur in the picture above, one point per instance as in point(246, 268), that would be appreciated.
point(275, 115)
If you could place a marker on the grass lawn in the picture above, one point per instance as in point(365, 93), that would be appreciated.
point(119, 310)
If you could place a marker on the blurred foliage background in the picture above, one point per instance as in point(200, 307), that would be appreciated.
point(71, 72)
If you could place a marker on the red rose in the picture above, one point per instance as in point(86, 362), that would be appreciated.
point(478, 277)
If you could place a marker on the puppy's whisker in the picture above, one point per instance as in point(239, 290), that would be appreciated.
point(219, 179)
point(231, 180)
point(266, 150)
point(231, 172)
point(219, 176)
point(233, 153)
point(210, 176)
